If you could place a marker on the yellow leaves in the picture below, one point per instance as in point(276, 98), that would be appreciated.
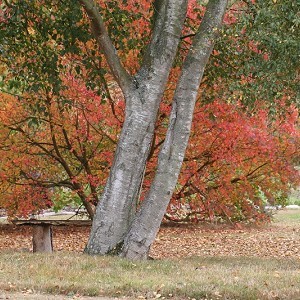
point(31, 30)
point(27, 291)
point(90, 44)
point(156, 295)
point(3, 69)
point(276, 274)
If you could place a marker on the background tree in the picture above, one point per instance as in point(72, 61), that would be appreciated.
point(246, 165)
point(257, 54)
point(65, 146)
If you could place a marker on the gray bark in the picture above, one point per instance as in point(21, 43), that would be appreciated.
point(117, 205)
point(147, 221)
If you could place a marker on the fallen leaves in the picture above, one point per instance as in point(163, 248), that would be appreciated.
point(176, 242)
point(268, 241)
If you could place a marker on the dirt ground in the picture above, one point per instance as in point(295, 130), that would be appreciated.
point(278, 239)
point(22, 296)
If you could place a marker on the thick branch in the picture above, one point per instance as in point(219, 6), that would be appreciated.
point(106, 45)
point(168, 21)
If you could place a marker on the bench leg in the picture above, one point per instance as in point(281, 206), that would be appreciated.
point(42, 238)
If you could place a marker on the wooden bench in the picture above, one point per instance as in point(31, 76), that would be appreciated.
point(42, 231)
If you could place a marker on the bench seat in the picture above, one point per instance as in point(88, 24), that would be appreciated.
point(42, 231)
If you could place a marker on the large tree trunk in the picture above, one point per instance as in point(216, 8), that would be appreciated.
point(147, 221)
point(117, 205)
point(143, 94)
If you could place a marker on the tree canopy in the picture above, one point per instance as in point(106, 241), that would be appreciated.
point(74, 73)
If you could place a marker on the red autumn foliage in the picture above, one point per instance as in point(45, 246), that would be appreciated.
point(237, 160)
point(68, 143)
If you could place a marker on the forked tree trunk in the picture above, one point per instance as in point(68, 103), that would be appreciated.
point(147, 221)
point(143, 94)
point(117, 206)
point(116, 226)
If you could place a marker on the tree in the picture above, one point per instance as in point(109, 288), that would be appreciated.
point(117, 228)
point(237, 162)
point(64, 146)
point(237, 159)
point(132, 234)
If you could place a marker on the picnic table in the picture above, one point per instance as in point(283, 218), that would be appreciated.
point(42, 231)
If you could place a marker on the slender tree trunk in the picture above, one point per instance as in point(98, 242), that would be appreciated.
point(143, 94)
point(147, 221)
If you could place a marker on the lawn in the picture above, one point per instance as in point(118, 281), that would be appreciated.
point(228, 265)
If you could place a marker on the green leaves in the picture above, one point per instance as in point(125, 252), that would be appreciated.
point(34, 38)
point(258, 54)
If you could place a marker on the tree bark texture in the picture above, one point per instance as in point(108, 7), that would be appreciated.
point(143, 94)
point(117, 228)
point(147, 221)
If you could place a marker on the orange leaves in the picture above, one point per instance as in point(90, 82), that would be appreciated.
point(50, 141)
point(236, 161)
point(23, 200)
point(8, 106)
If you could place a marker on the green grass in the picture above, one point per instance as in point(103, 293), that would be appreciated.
point(287, 217)
point(294, 201)
point(294, 197)
point(3, 221)
point(199, 278)
point(240, 278)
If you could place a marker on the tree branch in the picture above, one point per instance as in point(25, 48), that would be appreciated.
point(168, 20)
point(106, 45)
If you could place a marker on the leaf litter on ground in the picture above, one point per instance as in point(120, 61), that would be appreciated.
point(278, 239)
